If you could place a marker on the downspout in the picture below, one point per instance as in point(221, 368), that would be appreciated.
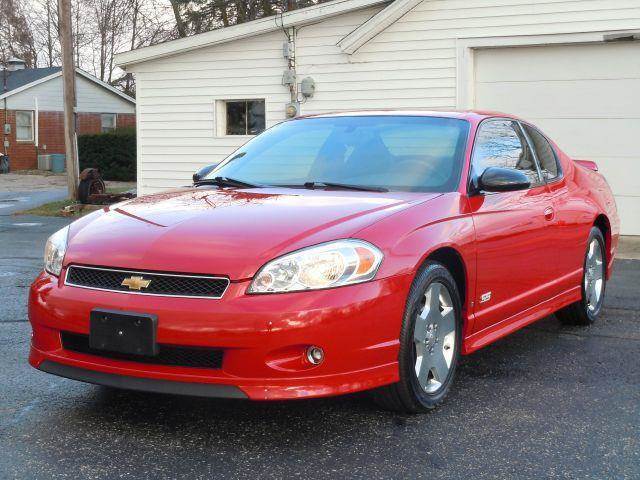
point(6, 114)
point(36, 129)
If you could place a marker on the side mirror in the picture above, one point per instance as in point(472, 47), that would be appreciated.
point(498, 179)
point(203, 172)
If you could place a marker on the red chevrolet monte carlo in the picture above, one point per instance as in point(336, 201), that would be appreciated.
point(330, 254)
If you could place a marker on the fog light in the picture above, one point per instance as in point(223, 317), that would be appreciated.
point(315, 355)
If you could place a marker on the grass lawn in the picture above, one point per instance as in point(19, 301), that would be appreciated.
point(118, 189)
point(54, 209)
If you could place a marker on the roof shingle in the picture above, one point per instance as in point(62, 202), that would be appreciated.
point(20, 78)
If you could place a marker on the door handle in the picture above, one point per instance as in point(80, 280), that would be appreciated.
point(549, 213)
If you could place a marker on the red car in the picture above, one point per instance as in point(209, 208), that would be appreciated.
point(330, 254)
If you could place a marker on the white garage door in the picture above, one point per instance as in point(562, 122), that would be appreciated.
point(585, 97)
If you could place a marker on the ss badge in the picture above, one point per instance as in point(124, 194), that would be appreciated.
point(485, 297)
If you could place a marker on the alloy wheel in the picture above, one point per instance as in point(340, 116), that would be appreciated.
point(434, 337)
point(594, 275)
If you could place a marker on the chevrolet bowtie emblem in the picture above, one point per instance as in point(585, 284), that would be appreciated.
point(135, 283)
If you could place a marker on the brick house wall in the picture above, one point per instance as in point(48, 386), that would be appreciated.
point(24, 155)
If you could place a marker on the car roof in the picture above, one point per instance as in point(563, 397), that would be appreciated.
point(471, 115)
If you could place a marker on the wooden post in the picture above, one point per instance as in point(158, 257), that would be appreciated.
point(69, 87)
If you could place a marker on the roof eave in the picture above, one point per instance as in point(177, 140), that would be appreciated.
point(86, 75)
point(105, 85)
point(375, 25)
point(29, 85)
point(243, 30)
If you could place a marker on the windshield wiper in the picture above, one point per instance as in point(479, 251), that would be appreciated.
point(225, 182)
point(344, 186)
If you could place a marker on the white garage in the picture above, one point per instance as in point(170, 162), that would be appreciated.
point(586, 96)
point(573, 67)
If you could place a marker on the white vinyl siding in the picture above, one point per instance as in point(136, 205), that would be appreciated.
point(91, 98)
point(412, 64)
point(177, 97)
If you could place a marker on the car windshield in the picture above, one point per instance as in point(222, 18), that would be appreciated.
point(407, 153)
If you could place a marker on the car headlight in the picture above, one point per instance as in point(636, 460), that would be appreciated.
point(54, 251)
point(332, 264)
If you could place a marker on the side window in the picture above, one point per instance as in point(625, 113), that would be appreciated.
point(245, 117)
point(546, 155)
point(24, 126)
point(501, 143)
point(108, 122)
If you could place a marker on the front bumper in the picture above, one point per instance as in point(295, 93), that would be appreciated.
point(263, 337)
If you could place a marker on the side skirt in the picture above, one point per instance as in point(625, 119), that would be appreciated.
point(516, 322)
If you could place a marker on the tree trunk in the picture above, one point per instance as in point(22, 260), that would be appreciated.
point(49, 36)
point(182, 31)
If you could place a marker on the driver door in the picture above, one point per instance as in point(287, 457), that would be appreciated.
point(512, 232)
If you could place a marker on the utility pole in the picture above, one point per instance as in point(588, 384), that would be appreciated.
point(69, 87)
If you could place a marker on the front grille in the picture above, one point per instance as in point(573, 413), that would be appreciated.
point(198, 357)
point(165, 284)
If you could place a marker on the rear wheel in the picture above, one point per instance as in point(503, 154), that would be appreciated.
point(585, 311)
point(429, 344)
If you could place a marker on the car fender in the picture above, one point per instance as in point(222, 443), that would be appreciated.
point(597, 194)
point(409, 237)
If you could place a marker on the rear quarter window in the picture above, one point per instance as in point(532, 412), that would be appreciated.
point(545, 152)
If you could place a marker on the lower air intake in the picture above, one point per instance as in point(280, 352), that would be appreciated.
point(179, 356)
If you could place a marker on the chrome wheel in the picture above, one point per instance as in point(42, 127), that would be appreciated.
point(593, 275)
point(434, 337)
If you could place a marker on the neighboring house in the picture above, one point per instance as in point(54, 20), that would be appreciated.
point(31, 109)
point(571, 67)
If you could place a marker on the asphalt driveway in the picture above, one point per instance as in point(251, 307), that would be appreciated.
point(549, 401)
point(16, 200)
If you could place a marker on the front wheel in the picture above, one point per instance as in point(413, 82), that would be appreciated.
point(430, 341)
point(585, 311)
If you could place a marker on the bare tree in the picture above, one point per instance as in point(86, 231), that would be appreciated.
point(197, 16)
point(180, 23)
point(107, 17)
point(102, 28)
point(44, 18)
point(16, 37)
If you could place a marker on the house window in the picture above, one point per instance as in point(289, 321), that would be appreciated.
point(244, 117)
point(108, 122)
point(24, 126)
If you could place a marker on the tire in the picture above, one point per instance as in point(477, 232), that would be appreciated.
point(97, 187)
point(442, 342)
point(586, 310)
point(83, 191)
point(89, 187)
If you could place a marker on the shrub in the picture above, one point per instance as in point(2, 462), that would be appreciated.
point(114, 154)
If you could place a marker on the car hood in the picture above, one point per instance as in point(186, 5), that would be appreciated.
point(227, 232)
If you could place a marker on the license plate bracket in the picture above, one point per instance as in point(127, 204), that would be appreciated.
point(123, 332)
